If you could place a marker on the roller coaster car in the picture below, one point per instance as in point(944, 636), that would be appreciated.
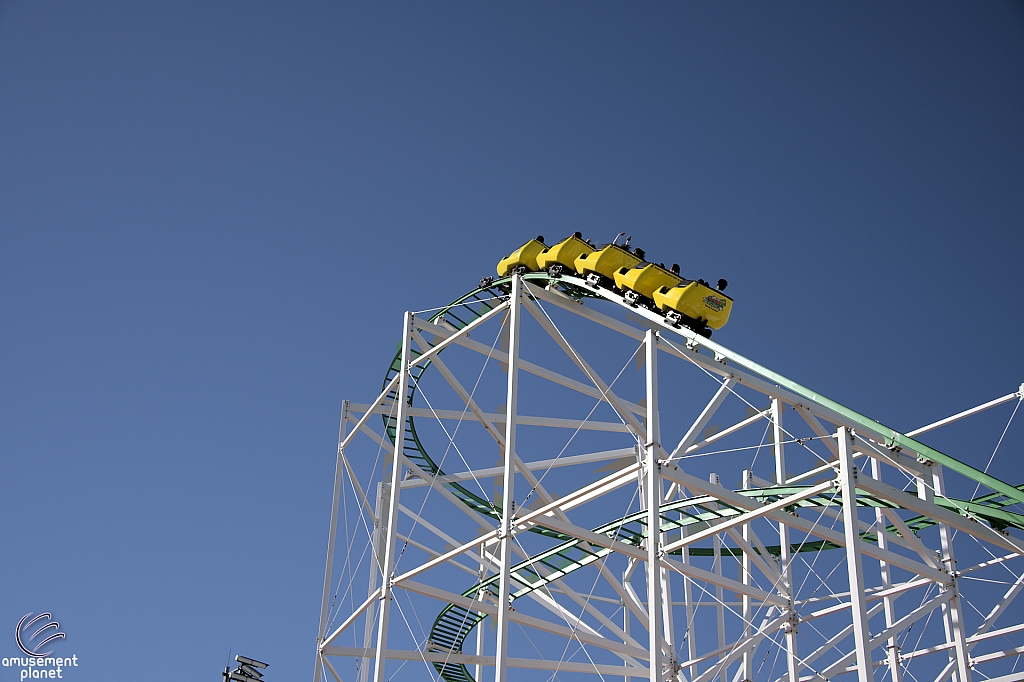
point(523, 259)
point(695, 305)
point(562, 256)
point(599, 267)
point(640, 283)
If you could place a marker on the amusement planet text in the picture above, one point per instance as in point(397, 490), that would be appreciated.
point(35, 668)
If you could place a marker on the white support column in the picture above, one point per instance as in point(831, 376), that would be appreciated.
point(747, 659)
point(716, 550)
point(925, 492)
point(951, 611)
point(892, 648)
point(479, 668)
point(688, 604)
point(508, 479)
point(392, 507)
point(667, 621)
point(785, 560)
point(339, 467)
point(653, 492)
point(380, 524)
point(854, 562)
point(625, 628)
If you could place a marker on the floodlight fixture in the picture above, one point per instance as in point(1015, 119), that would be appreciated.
point(249, 661)
point(247, 669)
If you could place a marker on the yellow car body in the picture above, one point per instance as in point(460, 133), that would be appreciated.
point(645, 279)
point(696, 301)
point(606, 262)
point(564, 253)
point(525, 255)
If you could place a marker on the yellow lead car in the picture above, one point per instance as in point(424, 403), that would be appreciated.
point(696, 305)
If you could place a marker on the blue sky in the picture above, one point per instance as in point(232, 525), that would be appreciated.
point(212, 216)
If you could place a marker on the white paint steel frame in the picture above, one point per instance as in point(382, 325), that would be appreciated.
point(767, 605)
point(508, 480)
point(397, 469)
point(848, 475)
point(653, 490)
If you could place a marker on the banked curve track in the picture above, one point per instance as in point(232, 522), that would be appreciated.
point(455, 622)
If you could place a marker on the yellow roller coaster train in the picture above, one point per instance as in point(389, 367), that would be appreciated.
point(690, 303)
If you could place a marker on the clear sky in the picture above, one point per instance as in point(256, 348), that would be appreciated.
point(212, 216)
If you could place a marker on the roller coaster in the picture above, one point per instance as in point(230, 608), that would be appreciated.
point(622, 553)
point(617, 267)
